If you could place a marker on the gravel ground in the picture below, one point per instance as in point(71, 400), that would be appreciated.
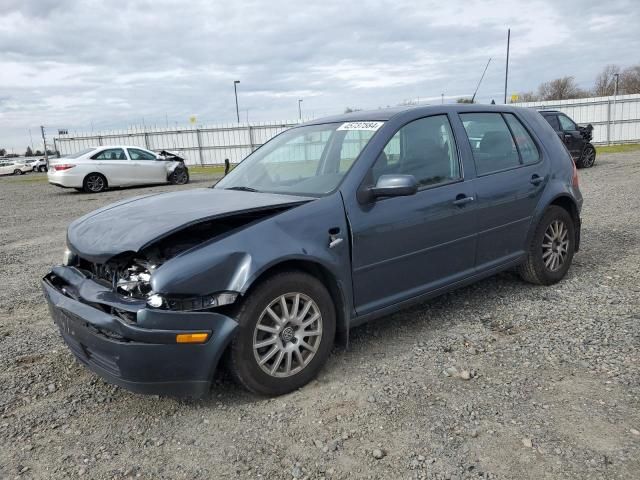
point(498, 380)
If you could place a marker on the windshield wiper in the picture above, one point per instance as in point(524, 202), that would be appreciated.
point(242, 189)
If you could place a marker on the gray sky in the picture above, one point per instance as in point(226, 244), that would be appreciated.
point(74, 63)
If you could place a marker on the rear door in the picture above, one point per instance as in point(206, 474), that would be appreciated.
point(511, 173)
point(406, 246)
point(148, 169)
point(113, 164)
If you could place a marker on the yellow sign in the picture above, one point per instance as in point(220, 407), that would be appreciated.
point(514, 97)
point(192, 119)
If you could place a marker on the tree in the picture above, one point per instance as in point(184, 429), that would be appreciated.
point(606, 81)
point(28, 153)
point(560, 89)
point(464, 100)
point(3, 152)
point(38, 153)
point(630, 80)
point(351, 110)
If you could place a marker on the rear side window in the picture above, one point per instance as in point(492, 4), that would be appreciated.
point(110, 154)
point(553, 121)
point(491, 142)
point(526, 146)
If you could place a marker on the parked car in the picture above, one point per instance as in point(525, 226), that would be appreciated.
point(39, 165)
point(98, 168)
point(328, 225)
point(576, 138)
point(13, 167)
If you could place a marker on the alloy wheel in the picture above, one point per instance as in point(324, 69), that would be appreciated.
point(95, 183)
point(589, 158)
point(287, 335)
point(180, 177)
point(555, 245)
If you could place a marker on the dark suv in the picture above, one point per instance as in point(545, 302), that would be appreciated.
point(326, 226)
point(575, 137)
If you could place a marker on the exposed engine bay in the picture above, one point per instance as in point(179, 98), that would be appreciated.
point(130, 273)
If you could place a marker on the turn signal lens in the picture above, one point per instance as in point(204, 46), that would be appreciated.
point(63, 166)
point(192, 337)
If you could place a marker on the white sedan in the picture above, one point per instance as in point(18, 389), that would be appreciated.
point(9, 167)
point(96, 169)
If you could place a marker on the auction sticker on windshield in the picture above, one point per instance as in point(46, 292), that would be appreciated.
point(370, 126)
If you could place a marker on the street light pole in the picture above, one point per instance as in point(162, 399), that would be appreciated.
point(44, 141)
point(299, 109)
point(235, 91)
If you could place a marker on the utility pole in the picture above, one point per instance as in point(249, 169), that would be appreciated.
point(442, 98)
point(44, 141)
point(31, 138)
point(615, 105)
point(235, 91)
point(299, 109)
point(506, 70)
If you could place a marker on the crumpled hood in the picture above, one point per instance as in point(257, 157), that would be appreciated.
point(132, 224)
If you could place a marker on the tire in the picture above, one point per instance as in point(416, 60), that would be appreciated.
point(180, 176)
point(94, 183)
point(545, 264)
point(17, 171)
point(587, 158)
point(257, 326)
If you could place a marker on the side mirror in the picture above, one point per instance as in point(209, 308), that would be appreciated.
point(394, 186)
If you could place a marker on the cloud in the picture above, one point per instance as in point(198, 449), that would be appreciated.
point(76, 63)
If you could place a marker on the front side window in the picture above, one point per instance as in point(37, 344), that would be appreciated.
point(110, 154)
point(308, 160)
point(491, 142)
point(137, 154)
point(424, 148)
point(566, 123)
point(553, 121)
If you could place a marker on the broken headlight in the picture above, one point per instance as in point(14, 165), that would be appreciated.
point(135, 280)
point(191, 303)
point(69, 258)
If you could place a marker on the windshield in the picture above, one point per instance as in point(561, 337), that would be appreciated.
point(80, 153)
point(310, 160)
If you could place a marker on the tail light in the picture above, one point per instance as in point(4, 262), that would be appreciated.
point(575, 181)
point(63, 166)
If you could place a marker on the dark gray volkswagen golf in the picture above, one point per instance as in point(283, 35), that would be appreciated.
point(326, 226)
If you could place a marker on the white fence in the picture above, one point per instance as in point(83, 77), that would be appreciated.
point(199, 146)
point(614, 119)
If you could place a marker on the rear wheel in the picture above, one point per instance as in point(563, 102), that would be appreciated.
point(551, 250)
point(42, 168)
point(588, 157)
point(17, 171)
point(286, 332)
point(94, 183)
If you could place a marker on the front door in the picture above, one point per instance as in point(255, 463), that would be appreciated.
point(147, 167)
point(571, 136)
point(406, 246)
point(511, 174)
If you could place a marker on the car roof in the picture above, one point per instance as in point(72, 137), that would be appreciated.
point(384, 114)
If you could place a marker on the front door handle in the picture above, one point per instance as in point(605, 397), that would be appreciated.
point(536, 179)
point(462, 200)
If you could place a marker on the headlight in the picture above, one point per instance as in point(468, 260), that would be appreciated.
point(192, 303)
point(68, 257)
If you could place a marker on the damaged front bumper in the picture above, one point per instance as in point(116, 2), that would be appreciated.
point(130, 345)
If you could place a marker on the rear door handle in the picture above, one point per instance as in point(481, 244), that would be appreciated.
point(462, 200)
point(536, 179)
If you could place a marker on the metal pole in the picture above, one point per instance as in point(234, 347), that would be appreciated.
point(485, 71)
point(235, 91)
point(31, 138)
point(506, 70)
point(442, 98)
point(299, 109)
point(615, 105)
point(44, 141)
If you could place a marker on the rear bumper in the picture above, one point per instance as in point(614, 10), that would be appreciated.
point(140, 355)
point(65, 179)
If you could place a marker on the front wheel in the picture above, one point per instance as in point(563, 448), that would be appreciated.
point(588, 157)
point(286, 330)
point(180, 176)
point(551, 250)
